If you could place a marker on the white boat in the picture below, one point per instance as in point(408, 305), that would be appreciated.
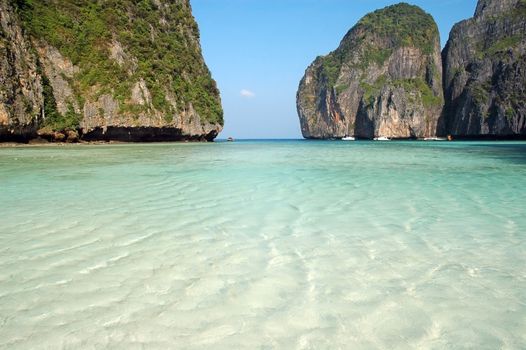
point(349, 138)
point(435, 139)
point(382, 138)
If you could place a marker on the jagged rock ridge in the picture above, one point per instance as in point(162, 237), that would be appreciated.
point(385, 79)
point(485, 72)
point(112, 70)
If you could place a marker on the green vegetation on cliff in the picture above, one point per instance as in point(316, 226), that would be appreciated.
point(497, 46)
point(400, 25)
point(404, 25)
point(417, 86)
point(371, 91)
point(502, 45)
point(160, 44)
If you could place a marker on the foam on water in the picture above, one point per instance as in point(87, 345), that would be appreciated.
point(290, 245)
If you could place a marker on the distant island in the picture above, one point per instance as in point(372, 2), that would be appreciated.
point(120, 70)
point(388, 77)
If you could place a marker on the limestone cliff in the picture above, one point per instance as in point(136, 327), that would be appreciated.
point(104, 70)
point(20, 84)
point(385, 79)
point(485, 72)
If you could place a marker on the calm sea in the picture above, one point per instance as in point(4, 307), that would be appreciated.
point(264, 245)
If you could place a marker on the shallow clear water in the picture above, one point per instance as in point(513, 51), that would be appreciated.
point(261, 245)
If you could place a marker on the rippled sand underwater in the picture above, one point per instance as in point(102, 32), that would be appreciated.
point(264, 245)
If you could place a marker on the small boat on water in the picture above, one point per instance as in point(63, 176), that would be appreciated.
point(435, 139)
point(382, 138)
point(348, 138)
point(230, 139)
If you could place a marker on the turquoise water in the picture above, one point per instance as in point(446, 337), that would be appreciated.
point(264, 245)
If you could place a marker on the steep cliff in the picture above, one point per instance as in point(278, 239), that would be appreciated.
point(111, 70)
point(20, 84)
point(385, 79)
point(485, 72)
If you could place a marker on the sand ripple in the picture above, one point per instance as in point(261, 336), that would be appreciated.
point(255, 245)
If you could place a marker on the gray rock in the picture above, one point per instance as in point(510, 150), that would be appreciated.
point(383, 80)
point(49, 89)
point(60, 72)
point(21, 97)
point(485, 72)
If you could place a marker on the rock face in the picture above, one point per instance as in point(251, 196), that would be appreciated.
point(111, 70)
point(20, 84)
point(485, 72)
point(385, 79)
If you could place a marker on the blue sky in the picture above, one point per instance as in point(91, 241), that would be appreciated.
point(258, 51)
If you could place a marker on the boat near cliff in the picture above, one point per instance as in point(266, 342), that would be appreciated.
point(435, 139)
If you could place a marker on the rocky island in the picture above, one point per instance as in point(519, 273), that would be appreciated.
point(385, 79)
point(388, 78)
point(113, 70)
point(485, 72)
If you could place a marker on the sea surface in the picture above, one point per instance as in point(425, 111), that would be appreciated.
point(264, 245)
